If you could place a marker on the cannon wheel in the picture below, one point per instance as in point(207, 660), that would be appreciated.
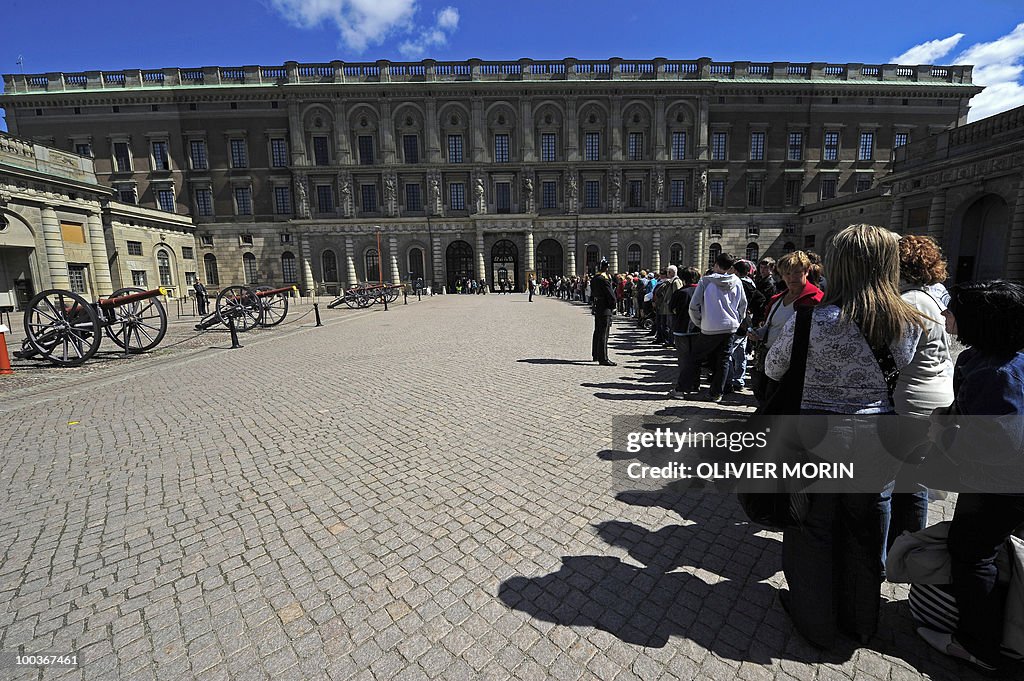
point(275, 307)
point(392, 293)
point(139, 326)
point(62, 327)
point(241, 304)
point(357, 298)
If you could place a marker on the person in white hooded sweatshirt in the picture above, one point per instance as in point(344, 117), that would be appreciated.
point(718, 307)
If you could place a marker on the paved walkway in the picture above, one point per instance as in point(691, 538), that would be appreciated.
point(421, 493)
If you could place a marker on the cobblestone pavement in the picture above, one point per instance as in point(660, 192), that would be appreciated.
point(410, 494)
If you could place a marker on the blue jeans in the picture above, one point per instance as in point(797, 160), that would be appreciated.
point(737, 363)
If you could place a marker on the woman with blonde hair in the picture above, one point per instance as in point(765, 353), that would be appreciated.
point(859, 336)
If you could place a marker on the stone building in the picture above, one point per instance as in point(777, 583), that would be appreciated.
point(343, 172)
point(61, 228)
point(963, 187)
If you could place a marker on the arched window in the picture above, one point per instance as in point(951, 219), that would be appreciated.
point(788, 247)
point(458, 262)
point(713, 252)
point(415, 263)
point(634, 254)
point(288, 270)
point(675, 255)
point(550, 259)
point(329, 266)
point(212, 275)
point(163, 265)
point(372, 262)
point(249, 268)
point(593, 258)
point(753, 252)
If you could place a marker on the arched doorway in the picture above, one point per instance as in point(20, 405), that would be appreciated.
point(549, 259)
point(634, 256)
point(753, 251)
point(981, 252)
point(329, 266)
point(593, 258)
point(504, 265)
point(714, 251)
point(458, 262)
point(416, 270)
point(675, 255)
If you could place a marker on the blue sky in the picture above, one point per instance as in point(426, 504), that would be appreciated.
point(57, 35)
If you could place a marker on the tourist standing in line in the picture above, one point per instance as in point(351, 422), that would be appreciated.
point(718, 307)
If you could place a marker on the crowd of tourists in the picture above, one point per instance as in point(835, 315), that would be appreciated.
point(566, 288)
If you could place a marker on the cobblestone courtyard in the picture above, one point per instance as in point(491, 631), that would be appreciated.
point(418, 493)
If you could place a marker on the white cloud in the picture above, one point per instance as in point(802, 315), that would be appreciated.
point(445, 23)
point(928, 52)
point(998, 65)
point(361, 23)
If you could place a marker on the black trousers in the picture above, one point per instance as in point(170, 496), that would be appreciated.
point(602, 323)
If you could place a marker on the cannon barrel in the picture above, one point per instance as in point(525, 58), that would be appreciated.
point(131, 298)
point(275, 291)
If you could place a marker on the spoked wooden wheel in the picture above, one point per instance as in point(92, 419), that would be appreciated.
point(62, 327)
point(275, 307)
point(239, 303)
point(139, 326)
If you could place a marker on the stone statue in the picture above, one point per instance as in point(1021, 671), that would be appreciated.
point(572, 186)
point(345, 192)
point(528, 189)
point(659, 186)
point(481, 201)
point(389, 188)
point(702, 191)
point(301, 196)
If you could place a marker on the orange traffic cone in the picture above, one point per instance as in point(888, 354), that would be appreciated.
point(5, 359)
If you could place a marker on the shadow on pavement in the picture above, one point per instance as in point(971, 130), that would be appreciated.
point(547, 360)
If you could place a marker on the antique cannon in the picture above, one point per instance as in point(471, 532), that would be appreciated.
point(247, 307)
point(62, 327)
point(365, 295)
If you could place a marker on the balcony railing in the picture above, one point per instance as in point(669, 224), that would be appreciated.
point(962, 140)
point(479, 70)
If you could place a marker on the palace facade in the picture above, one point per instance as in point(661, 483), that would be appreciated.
point(329, 174)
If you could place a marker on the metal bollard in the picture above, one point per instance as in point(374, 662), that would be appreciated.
point(419, 294)
point(405, 295)
point(316, 313)
point(234, 333)
point(385, 302)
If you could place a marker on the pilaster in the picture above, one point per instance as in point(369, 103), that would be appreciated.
point(100, 266)
point(56, 263)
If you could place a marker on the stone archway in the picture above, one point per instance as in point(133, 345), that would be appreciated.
point(458, 262)
point(504, 265)
point(550, 261)
point(982, 245)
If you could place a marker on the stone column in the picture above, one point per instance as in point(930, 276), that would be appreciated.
point(613, 252)
point(616, 129)
point(656, 250)
point(437, 276)
point(476, 133)
point(571, 255)
point(530, 253)
point(937, 215)
point(396, 274)
point(659, 129)
point(56, 263)
point(100, 265)
point(296, 137)
point(433, 137)
point(481, 266)
point(387, 135)
point(350, 263)
point(572, 131)
point(1015, 257)
point(526, 129)
point(307, 282)
point(701, 152)
point(896, 216)
point(342, 144)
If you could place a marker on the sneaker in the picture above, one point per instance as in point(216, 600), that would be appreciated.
point(946, 644)
point(674, 394)
point(715, 398)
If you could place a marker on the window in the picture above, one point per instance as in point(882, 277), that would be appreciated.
point(634, 255)
point(197, 152)
point(245, 239)
point(77, 278)
point(592, 258)
point(793, 192)
point(592, 194)
point(719, 142)
point(678, 146)
point(501, 148)
point(548, 141)
point(126, 194)
point(753, 230)
point(592, 146)
point(413, 202)
point(163, 266)
point(278, 153)
point(754, 186)
point(365, 146)
point(324, 198)
point(243, 200)
point(716, 230)
point(206, 239)
point(455, 148)
point(165, 199)
point(321, 157)
point(134, 248)
point(757, 146)
point(675, 255)
point(866, 150)
point(796, 146)
point(139, 278)
point(190, 279)
point(122, 158)
point(368, 193)
point(831, 152)
point(160, 160)
point(635, 146)
point(249, 268)
point(714, 251)
point(503, 197)
point(677, 193)
point(188, 253)
point(239, 154)
point(329, 264)
point(636, 193)
point(289, 272)
point(808, 241)
point(411, 148)
point(549, 195)
point(828, 188)
point(863, 183)
point(282, 200)
point(286, 238)
point(84, 150)
point(717, 191)
point(753, 252)
point(372, 262)
point(900, 139)
point(457, 196)
point(204, 202)
point(415, 263)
